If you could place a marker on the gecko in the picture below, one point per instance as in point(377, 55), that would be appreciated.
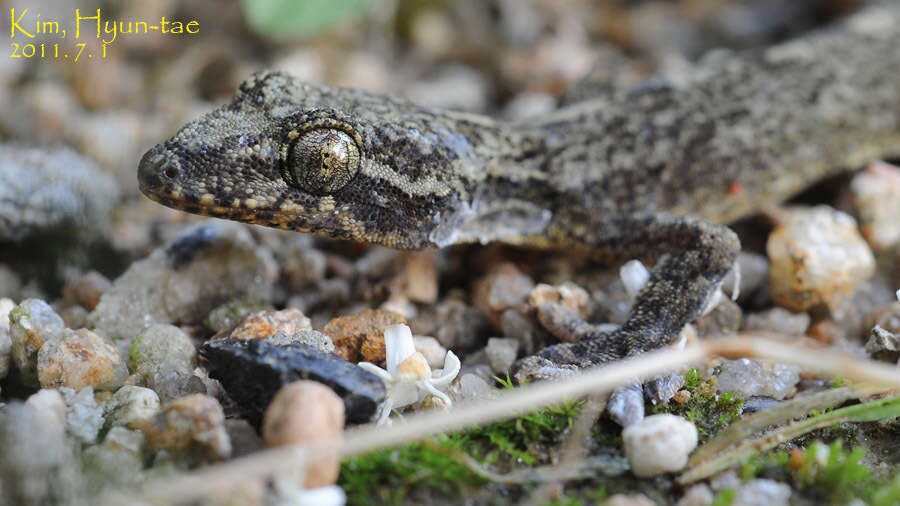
point(656, 172)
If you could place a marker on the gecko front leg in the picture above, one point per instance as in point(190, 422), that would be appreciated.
point(694, 257)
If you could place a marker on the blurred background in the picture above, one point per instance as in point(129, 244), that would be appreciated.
point(509, 58)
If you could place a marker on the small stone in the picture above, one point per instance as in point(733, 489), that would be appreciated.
point(303, 266)
point(826, 331)
point(748, 377)
point(32, 323)
point(886, 316)
point(360, 337)
point(117, 462)
point(432, 350)
point(50, 403)
point(78, 359)
point(253, 371)
point(876, 199)
point(84, 416)
point(659, 444)
point(262, 324)
point(883, 345)
point(421, 277)
point(229, 314)
point(626, 404)
point(628, 500)
point(192, 426)
point(758, 403)
point(130, 406)
point(181, 283)
point(86, 290)
point(36, 455)
point(455, 324)
point(762, 492)
point(6, 305)
point(818, 257)
point(302, 412)
point(515, 324)
point(698, 495)
point(75, 317)
point(754, 269)
point(570, 295)
point(162, 358)
point(501, 353)
point(244, 439)
point(660, 390)
point(505, 286)
point(312, 338)
point(471, 387)
point(723, 320)
point(779, 321)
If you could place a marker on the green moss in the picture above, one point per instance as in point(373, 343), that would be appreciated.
point(134, 352)
point(828, 474)
point(709, 410)
point(391, 476)
point(723, 498)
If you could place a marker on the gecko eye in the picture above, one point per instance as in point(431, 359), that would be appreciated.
point(323, 161)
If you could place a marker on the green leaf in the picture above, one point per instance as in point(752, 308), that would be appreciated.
point(299, 18)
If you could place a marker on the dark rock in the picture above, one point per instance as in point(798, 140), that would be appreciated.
point(758, 403)
point(253, 371)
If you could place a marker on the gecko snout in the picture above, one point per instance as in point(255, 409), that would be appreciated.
point(156, 169)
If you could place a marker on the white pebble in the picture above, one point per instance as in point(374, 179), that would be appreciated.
point(501, 353)
point(659, 444)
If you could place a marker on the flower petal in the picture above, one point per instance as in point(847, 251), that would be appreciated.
point(425, 384)
point(398, 344)
point(377, 371)
point(451, 369)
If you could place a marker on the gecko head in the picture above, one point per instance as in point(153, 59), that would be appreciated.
point(335, 162)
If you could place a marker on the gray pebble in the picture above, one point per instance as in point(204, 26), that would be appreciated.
point(130, 406)
point(162, 358)
point(749, 377)
point(117, 462)
point(660, 390)
point(230, 313)
point(626, 404)
point(312, 338)
point(778, 320)
point(883, 345)
point(32, 323)
point(84, 416)
point(501, 353)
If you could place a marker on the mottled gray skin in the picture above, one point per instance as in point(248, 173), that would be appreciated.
point(615, 176)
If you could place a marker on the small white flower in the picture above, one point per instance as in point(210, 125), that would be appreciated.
point(408, 377)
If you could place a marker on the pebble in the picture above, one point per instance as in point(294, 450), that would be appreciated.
point(504, 286)
point(35, 454)
point(754, 269)
point(118, 462)
point(262, 324)
point(470, 387)
point(698, 495)
point(886, 316)
point(302, 266)
point(303, 412)
point(758, 403)
point(192, 426)
point(86, 289)
point(659, 444)
point(626, 404)
point(6, 305)
point(455, 324)
point(455, 87)
point(779, 321)
point(762, 492)
point(78, 359)
point(420, 283)
point(243, 436)
point(818, 257)
point(883, 345)
point(130, 406)
point(501, 353)
point(84, 416)
point(31, 324)
point(47, 187)
point(826, 331)
point(229, 314)
point(513, 323)
point(360, 337)
point(660, 390)
point(724, 319)
point(253, 371)
point(628, 500)
point(181, 283)
point(50, 403)
point(431, 349)
point(570, 295)
point(162, 358)
point(747, 377)
point(876, 198)
point(312, 338)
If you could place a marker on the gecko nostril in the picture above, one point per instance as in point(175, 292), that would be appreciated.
point(171, 171)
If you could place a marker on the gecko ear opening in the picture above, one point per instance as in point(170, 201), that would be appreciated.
point(323, 160)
